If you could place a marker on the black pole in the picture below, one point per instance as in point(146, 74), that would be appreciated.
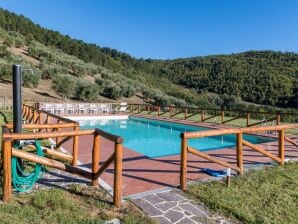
point(17, 98)
point(17, 104)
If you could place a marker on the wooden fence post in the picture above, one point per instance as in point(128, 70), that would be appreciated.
point(58, 138)
point(239, 150)
point(278, 119)
point(118, 175)
point(222, 116)
point(158, 111)
point(183, 165)
point(7, 190)
point(95, 159)
point(34, 117)
point(185, 113)
point(75, 147)
point(202, 115)
point(247, 119)
point(281, 146)
point(48, 121)
point(40, 117)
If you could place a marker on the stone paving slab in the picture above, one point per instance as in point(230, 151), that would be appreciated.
point(172, 207)
point(59, 179)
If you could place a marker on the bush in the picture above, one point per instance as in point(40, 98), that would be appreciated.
point(65, 85)
point(5, 71)
point(87, 91)
point(31, 80)
point(18, 43)
point(112, 91)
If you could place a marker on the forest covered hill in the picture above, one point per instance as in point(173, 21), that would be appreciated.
point(257, 77)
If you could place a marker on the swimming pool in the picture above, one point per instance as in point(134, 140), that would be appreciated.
point(155, 138)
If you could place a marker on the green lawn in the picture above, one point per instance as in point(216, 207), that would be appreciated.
point(264, 196)
point(78, 205)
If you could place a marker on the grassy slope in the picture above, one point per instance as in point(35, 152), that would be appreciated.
point(264, 196)
point(78, 205)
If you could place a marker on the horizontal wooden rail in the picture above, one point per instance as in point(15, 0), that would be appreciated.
point(109, 136)
point(236, 130)
point(44, 126)
point(28, 136)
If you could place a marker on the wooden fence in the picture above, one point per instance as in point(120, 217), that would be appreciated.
point(49, 127)
point(185, 148)
point(205, 115)
point(38, 120)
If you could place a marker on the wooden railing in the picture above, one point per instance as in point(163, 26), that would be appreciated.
point(38, 120)
point(209, 114)
point(116, 157)
point(185, 148)
point(61, 129)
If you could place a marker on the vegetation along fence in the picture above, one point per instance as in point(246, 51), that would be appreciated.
point(185, 148)
point(50, 127)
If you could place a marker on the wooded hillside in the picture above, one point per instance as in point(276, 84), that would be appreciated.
point(259, 77)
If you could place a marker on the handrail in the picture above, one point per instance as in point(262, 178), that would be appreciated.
point(28, 136)
point(236, 130)
point(239, 147)
point(109, 136)
point(8, 152)
point(211, 113)
point(50, 114)
point(33, 115)
point(44, 126)
point(218, 109)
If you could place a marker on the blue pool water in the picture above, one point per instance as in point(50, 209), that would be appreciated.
point(160, 138)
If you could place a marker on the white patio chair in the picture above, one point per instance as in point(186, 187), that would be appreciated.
point(81, 109)
point(93, 109)
point(70, 109)
point(41, 106)
point(104, 109)
point(59, 108)
point(49, 108)
point(123, 107)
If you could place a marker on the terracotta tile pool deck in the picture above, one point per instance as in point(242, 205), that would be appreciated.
point(141, 173)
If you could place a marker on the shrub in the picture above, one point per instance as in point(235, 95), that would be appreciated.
point(65, 85)
point(5, 71)
point(87, 91)
point(4, 53)
point(31, 80)
point(18, 43)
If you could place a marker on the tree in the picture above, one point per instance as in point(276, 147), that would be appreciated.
point(65, 85)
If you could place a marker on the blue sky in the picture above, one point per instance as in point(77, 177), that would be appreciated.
point(170, 28)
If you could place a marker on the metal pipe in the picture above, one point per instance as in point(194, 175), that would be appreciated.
point(17, 98)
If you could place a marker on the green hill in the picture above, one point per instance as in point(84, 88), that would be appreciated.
point(258, 77)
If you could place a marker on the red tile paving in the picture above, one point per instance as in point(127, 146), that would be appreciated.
point(141, 173)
